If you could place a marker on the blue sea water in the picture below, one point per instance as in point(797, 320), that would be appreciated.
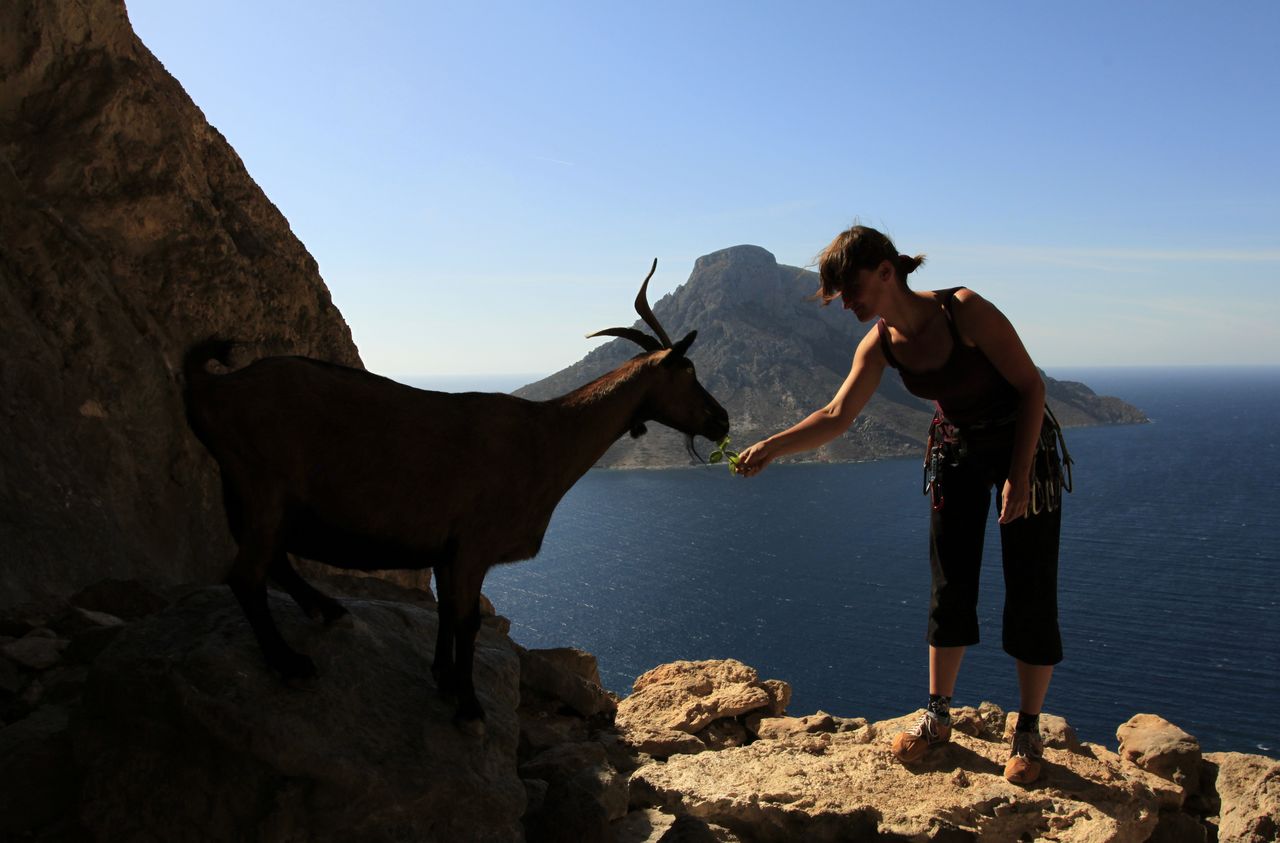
point(818, 574)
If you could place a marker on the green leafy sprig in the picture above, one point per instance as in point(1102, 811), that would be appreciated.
point(723, 453)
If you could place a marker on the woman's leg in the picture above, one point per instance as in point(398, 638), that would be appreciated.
point(955, 555)
point(1033, 684)
point(944, 667)
point(1031, 634)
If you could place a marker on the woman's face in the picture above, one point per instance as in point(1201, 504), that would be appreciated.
point(861, 293)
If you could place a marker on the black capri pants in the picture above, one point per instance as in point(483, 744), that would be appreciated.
point(971, 466)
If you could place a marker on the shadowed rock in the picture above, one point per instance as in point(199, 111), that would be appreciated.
point(185, 734)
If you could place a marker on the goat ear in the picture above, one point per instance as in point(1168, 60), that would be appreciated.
point(678, 350)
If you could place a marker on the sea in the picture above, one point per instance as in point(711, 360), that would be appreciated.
point(817, 574)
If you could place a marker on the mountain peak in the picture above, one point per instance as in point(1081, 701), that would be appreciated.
point(743, 256)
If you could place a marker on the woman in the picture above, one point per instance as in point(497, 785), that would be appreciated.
point(991, 429)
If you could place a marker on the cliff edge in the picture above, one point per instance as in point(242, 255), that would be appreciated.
point(132, 714)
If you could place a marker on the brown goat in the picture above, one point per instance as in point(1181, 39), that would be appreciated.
point(354, 470)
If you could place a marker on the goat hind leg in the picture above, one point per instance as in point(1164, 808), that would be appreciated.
point(248, 583)
point(442, 668)
point(314, 603)
point(470, 715)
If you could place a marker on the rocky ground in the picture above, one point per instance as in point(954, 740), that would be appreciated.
point(140, 713)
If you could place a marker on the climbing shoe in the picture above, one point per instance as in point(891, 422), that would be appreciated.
point(1025, 758)
point(929, 730)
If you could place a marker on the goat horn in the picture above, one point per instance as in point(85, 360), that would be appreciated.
point(640, 338)
point(642, 307)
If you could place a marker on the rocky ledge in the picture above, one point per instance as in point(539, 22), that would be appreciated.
point(139, 713)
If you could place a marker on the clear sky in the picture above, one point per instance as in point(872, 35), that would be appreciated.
point(484, 183)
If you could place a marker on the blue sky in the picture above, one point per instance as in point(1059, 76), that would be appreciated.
point(484, 183)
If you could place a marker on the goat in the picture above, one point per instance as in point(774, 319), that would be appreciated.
point(348, 468)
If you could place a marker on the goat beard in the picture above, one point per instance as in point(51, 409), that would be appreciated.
point(639, 430)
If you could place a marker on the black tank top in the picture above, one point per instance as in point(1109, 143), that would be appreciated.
point(968, 388)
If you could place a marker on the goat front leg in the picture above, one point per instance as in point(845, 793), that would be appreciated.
point(314, 603)
point(248, 583)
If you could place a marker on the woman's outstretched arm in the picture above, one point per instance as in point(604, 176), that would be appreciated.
point(832, 420)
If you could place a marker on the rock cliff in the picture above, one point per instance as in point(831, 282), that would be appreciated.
point(771, 355)
point(131, 714)
point(129, 228)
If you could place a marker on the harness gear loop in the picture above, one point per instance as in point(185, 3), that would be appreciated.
point(1050, 466)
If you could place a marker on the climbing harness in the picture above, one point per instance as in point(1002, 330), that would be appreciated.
point(1050, 467)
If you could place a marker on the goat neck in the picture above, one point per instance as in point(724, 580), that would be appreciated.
point(601, 412)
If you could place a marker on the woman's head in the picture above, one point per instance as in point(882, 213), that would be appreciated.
point(856, 249)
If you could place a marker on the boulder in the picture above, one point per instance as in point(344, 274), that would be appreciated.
point(540, 730)
point(35, 652)
point(566, 678)
point(1055, 730)
point(572, 660)
point(687, 696)
point(662, 743)
point(583, 794)
point(1159, 747)
point(1248, 790)
point(183, 733)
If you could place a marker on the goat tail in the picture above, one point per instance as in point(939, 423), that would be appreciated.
point(196, 376)
point(193, 362)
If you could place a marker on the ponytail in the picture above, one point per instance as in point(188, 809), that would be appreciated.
point(907, 265)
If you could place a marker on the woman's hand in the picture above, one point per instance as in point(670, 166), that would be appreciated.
point(1014, 499)
point(753, 460)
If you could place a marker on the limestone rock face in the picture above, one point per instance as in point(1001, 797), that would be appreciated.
point(129, 229)
point(183, 733)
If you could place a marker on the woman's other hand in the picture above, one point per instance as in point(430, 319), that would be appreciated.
point(753, 460)
point(1014, 500)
